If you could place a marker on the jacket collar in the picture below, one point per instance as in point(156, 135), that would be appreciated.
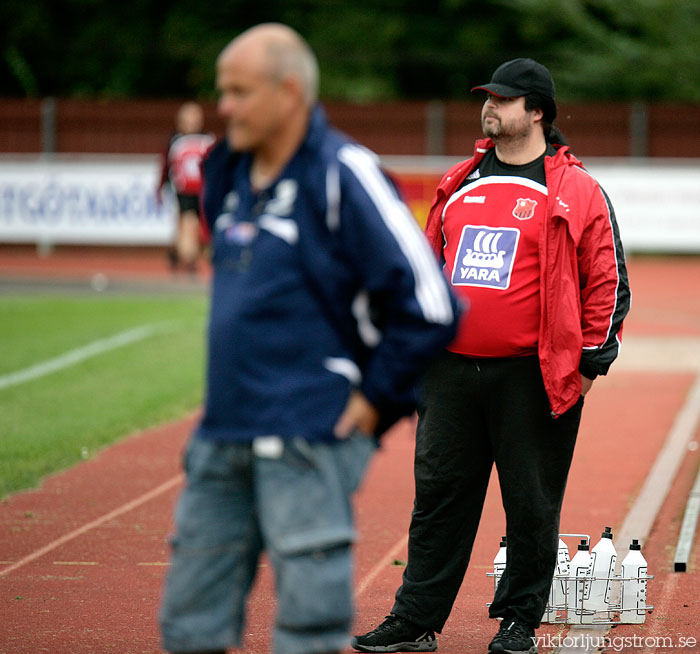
point(562, 156)
point(318, 125)
point(458, 172)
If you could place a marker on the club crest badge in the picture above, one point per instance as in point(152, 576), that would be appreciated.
point(524, 208)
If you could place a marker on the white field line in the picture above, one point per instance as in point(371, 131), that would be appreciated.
point(124, 508)
point(72, 357)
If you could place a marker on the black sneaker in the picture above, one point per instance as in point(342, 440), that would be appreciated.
point(514, 637)
point(396, 635)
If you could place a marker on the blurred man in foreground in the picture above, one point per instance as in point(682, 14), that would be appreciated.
point(327, 304)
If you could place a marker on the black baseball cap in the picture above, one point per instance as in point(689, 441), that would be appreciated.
point(519, 77)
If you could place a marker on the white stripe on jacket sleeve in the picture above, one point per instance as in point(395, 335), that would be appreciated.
point(431, 290)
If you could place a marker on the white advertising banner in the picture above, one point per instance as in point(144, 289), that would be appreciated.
point(656, 201)
point(83, 200)
point(91, 199)
point(657, 204)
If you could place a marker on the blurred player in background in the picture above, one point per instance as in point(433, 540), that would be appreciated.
point(530, 239)
point(181, 169)
point(327, 304)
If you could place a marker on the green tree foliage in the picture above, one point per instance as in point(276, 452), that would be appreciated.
point(615, 49)
point(601, 49)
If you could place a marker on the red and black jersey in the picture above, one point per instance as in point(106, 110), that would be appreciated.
point(584, 290)
point(184, 160)
point(491, 227)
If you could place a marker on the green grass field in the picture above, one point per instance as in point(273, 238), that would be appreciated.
point(50, 422)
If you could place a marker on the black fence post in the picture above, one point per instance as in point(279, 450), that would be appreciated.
point(639, 130)
point(48, 125)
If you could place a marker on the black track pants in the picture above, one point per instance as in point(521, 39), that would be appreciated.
point(476, 412)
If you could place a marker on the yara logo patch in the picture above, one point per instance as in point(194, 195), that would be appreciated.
point(485, 256)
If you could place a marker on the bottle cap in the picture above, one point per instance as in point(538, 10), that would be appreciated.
point(635, 545)
point(607, 533)
point(503, 541)
point(583, 546)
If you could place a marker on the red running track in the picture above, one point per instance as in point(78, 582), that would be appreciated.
point(82, 558)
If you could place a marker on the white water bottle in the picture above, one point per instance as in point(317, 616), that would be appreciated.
point(562, 569)
point(634, 585)
point(557, 591)
point(579, 586)
point(603, 557)
point(499, 562)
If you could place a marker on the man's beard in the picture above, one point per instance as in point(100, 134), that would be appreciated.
point(497, 131)
point(492, 129)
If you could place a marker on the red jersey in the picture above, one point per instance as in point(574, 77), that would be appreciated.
point(584, 289)
point(491, 228)
point(184, 161)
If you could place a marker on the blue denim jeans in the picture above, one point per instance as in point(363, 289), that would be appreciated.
point(291, 500)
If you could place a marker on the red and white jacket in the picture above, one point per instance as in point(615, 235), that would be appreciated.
point(584, 289)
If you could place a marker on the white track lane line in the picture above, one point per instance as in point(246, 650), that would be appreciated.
point(124, 508)
point(78, 355)
point(381, 565)
point(159, 490)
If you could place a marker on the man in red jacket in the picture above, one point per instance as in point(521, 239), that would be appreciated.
point(530, 240)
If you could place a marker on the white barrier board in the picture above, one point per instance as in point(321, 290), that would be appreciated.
point(656, 201)
point(100, 199)
point(657, 205)
point(83, 200)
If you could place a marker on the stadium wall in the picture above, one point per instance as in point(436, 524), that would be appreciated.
point(434, 128)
